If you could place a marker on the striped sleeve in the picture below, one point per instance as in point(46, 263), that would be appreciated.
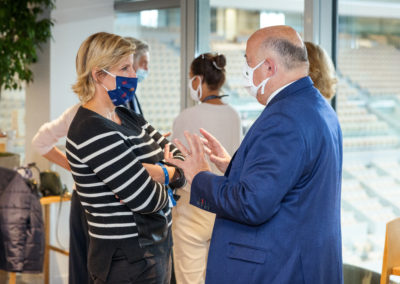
point(116, 166)
point(162, 141)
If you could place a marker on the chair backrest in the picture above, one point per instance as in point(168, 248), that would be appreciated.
point(391, 254)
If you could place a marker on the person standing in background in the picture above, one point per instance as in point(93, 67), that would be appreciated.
point(322, 71)
point(278, 205)
point(44, 142)
point(141, 65)
point(192, 227)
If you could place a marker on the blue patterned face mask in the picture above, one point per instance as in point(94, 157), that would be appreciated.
point(125, 88)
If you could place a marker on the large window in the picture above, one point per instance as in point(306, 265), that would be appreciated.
point(368, 108)
point(159, 93)
point(12, 112)
point(231, 25)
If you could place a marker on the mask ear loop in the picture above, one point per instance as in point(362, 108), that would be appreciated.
point(104, 87)
point(104, 70)
point(200, 92)
point(265, 82)
point(263, 85)
point(109, 73)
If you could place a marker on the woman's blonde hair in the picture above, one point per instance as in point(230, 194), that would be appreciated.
point(101, 50)
point(322, 71)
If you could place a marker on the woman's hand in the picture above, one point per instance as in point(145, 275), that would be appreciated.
point(56, 156)
point(157, 173)
point(168, 155)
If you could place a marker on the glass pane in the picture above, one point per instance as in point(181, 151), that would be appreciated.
point(12, 126)
point(159, 93)
point(368, 108)
point(230, 28)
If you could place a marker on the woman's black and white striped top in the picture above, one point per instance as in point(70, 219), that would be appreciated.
point(106, 161)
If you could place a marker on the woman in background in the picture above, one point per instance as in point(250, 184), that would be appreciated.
point(322, 71)
point(192, 227)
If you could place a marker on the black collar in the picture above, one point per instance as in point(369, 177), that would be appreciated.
point(213, 97)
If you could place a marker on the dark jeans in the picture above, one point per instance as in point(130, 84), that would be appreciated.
point(78, 244)
point(152, 270)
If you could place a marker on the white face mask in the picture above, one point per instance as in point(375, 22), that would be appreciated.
point(248, 75)
point(195, 94)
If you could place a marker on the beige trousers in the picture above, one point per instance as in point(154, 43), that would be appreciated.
point(191, 231)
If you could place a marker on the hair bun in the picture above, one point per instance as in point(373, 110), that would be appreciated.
point(219, 61)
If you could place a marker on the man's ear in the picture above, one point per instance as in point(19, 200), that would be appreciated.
point(271, 66)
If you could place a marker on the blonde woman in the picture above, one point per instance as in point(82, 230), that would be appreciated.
point(322, 71)
point(113, 155)
point(45, 141)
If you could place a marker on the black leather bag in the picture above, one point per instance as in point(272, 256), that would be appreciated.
point(50, 184)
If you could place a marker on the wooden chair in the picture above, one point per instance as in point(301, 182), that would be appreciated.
point(391, 254)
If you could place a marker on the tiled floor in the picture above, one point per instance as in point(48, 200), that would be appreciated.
point(24, 278)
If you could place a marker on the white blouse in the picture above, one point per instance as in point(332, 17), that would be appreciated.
point(50, 132)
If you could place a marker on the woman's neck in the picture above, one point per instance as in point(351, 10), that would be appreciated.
point(103, 106)
point(213, 101)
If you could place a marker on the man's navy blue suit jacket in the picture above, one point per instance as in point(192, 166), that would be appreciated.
point(278, 204)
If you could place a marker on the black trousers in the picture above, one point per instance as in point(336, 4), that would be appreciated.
point(78, 251)
point(150, 270)
point(78, 244)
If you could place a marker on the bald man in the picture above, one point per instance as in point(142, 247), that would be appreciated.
point(278, 204)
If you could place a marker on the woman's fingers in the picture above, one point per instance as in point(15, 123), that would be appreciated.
point(175, 162)
point(117, 197)
point(167, 153)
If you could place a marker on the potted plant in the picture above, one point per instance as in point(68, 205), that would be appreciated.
point(22, 30)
